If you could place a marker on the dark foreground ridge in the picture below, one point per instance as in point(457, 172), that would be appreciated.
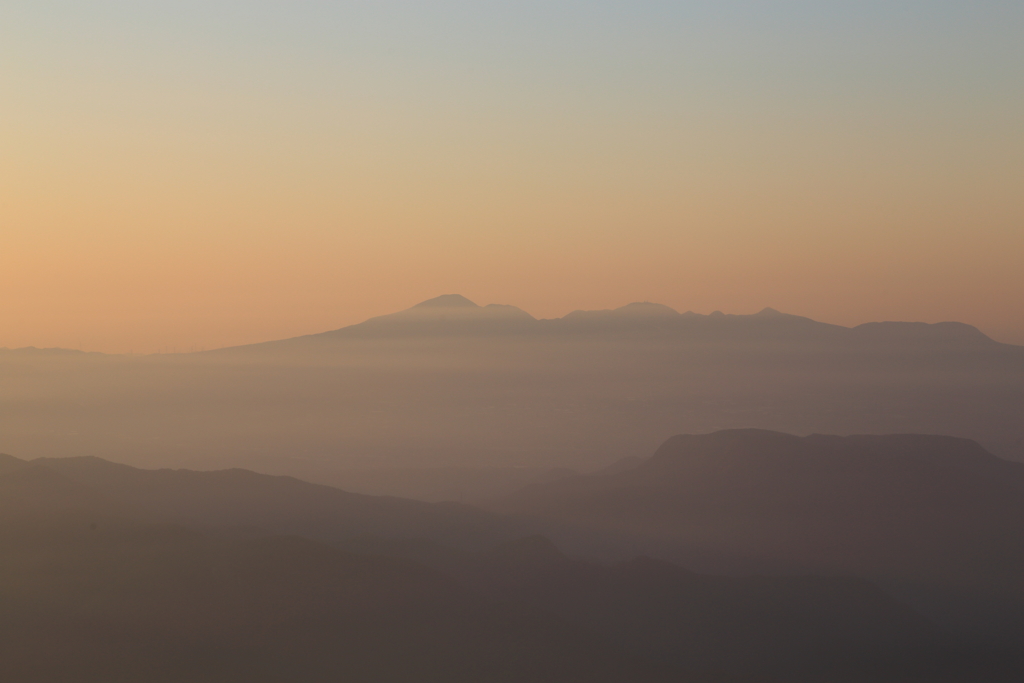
point(938, 520)
point(233, 576)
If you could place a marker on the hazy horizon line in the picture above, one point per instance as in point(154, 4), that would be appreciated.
point(178, 349)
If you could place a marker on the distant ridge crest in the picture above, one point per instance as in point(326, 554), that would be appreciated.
point(447, 301)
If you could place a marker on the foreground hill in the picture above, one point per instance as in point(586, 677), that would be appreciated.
point(182, 576)
point(715, 628)
point(239, 501)
point(932, 516)
point(166, 604)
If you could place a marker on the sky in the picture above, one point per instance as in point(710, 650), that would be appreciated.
point(181, 175)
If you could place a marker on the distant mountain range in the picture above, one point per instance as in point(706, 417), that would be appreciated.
point(450, 399)
point(453, 314)
point(179, 575)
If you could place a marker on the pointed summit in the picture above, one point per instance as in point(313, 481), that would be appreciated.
point(447, 301)
point(448, 314)
point(769, 313)
point(646, 309)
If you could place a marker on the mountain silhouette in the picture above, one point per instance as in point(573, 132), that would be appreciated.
point(453, 314)
point(729, 628)
point(241, 500)
point(787, 629)
point(450, 386)
point(446, 315)
point(447, 301)
point(168, 604)
point(927, 516)
point(177, 575)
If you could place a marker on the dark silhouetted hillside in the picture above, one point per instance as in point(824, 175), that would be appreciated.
point(248, 503)
point(718, 628)
point(98, 587)
point(185, 576)
point(725, 628)
point(933, 515)
point(153, 604)
point(92, 569)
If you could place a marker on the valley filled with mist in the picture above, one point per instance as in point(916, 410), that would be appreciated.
point(453, 401)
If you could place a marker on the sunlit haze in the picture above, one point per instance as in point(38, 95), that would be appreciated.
point(187, 175)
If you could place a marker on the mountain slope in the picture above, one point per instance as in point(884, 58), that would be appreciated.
point(98, 587)
point(933, 512)
point(257, 503)
point(740, 628)
point(165, 604)
point(177, 575)
point(712, 628)
point(455, 315)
